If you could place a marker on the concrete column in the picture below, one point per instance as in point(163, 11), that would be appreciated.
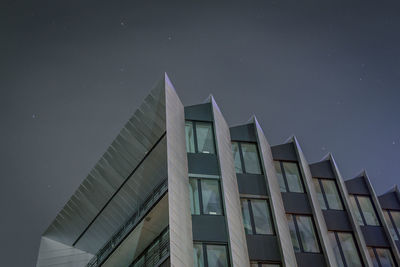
point(275, 197)
point(180, 219)
point(230, 191)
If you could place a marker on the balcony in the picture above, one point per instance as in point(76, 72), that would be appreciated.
point(133, 230)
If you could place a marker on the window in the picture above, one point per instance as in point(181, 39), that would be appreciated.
point(392, 219)
point(210, 255)
point(381, 257)
point(345, 249)
point(302, 233)
point(328, 195)
point(199, 137)
point(246, 158)
point(289, 177)
point(205, 197)
point(263, 264)
point(257, 217)
point(364, 210)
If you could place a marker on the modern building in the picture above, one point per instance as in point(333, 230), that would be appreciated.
point(179, 187)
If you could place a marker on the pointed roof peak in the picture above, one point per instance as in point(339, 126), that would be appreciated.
point(209, 99)
point(328, 156)
point(362, 173)
point(291, 139)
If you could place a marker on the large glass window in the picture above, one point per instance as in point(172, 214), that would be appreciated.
point(303, 234)
point(257, 216)
point(345, 249)
point(289, 177)
point(392, 219)
point(199, 137)
point(328, 194)
point(364, 210)
point(205, 197)
point(381, 257)
point(246, 158)
point(210, 255)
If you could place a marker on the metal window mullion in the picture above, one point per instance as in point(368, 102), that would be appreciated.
point(284, 176)
point(241, 157)
point(200, 196)
point(360, 210)
point(393, 224)
point(323, 193)
point(196, 149)
point(378, 260)
point(205, 255)
point(253, 224)
point(298, 232)
point(301, 177)
point(340, 248)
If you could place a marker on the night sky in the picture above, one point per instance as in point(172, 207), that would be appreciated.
point(73, 72)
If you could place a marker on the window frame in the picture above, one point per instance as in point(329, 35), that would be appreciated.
point(339, 244)
point(377, 256)
point(251, 214)
point(239, 143)
point(195, 141)
point(392, 222)
point(361, 211)
point(319, 179)
point(204, 248)
point(200, 190)
point(299, 239)
point(285, 178)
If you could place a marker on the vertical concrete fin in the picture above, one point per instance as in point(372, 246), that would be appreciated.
point(180, 220)
point(382, 218)
point(53, 253)
point(345, 196)
point(276, 202)
point(316, 209)
point(233, 213)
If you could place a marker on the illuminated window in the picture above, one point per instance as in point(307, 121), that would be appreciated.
point(199, 137)
point(205, 197)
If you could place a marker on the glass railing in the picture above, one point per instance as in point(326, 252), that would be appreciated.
point(156, 253)
point(129, 225)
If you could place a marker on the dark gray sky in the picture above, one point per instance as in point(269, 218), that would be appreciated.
point(72, 73)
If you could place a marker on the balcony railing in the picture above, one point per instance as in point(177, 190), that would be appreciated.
point(129, 225)
point(156, 253)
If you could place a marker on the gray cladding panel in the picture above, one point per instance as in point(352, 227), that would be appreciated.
point(253, 184)
point(375, 236)
point(296, 203)
point(310, 260)
point(137, 137)
point(263, 248)
point(322, 169)
point(201, 112)
point(389, 201)
point(244, 133)
point(337, 220)
point(284, 152)
point(203, 163)
point(209, 228)
point(357, 186)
